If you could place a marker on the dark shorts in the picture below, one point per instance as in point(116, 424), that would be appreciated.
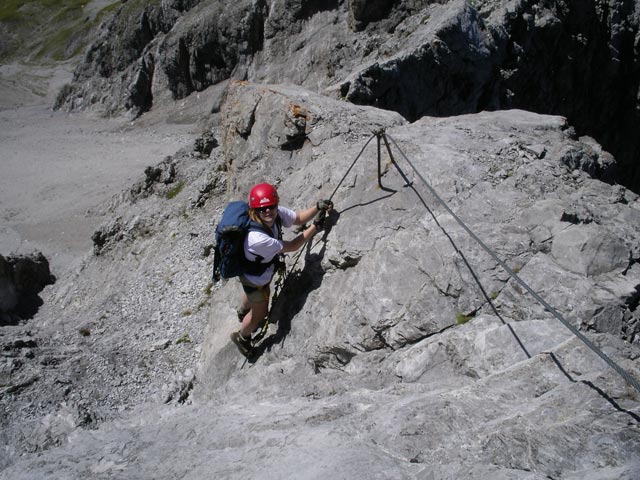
point(254, 293)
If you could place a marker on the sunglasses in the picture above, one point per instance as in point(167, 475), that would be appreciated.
point(264, 209)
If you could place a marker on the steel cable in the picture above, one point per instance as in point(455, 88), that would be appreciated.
point(623, 373)
point(352, 164)
point(279, 287)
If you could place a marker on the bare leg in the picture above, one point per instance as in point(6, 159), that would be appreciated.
point(254, 317)
point(244, 303)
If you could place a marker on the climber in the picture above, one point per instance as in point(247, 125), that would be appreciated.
point(264, 209)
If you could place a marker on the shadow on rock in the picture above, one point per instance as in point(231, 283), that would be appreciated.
point(298, 284)
point(384, 197)
point(295, 289)
point(22, 278)
point(591, 385)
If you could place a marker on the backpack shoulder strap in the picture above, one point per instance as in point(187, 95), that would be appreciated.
point(259, 227)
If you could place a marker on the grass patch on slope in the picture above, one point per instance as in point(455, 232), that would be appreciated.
point(39, 11)
point(37, 30)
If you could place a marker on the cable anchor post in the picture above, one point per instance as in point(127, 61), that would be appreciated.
point(408, 182)
point(379, 136)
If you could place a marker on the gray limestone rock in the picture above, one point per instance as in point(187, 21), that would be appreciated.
point(398, 347)
point(8, 296)
point(361, 12)
point(590, 250)
point(415, 57)
point(22, 278)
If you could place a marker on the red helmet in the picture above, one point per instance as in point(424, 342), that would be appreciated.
point(263, 195)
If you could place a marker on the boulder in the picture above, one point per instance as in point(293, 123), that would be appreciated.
point(590, 250)
point(22, 278)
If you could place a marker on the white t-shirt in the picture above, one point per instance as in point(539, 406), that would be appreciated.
point(259, 243)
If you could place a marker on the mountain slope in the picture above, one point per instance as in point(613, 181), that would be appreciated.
point(384, 359)
point(417, 57)
point(398, 346)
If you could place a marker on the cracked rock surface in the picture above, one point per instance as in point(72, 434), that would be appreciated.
point(384, 356)
point(398, 347)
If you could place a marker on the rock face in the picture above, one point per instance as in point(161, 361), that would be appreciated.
point(22, 278)
point(416, 57)
point(398, 347)
point(402, 342)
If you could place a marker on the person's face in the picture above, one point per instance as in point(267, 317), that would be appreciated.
point(268, 214)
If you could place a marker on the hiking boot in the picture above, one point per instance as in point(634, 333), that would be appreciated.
point(243, 344)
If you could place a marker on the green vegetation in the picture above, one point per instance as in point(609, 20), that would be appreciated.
point(183, 339)
point(41, 12)
point(56, 47)
point(202, 304)
point(48, 29)
point(25, 10)
point(9, 11)
point(175, 190)
point(136, 6)
point(461, 318)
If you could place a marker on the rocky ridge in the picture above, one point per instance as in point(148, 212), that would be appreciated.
point(416, 57)
point(385, 358)
point(383, 354)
